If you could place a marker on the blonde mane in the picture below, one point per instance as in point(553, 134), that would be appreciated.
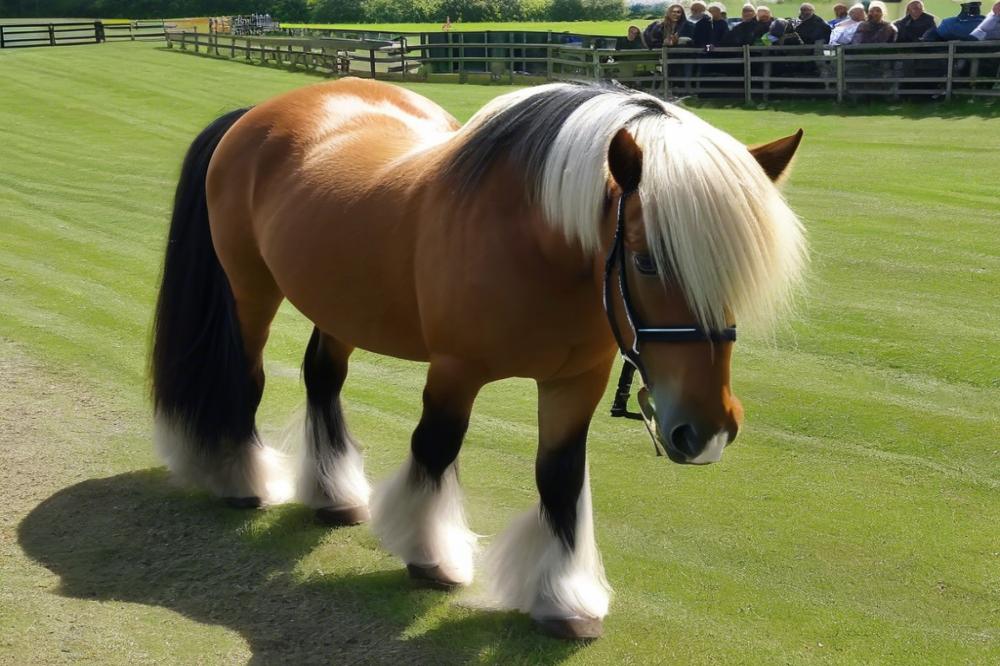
point(714, 221)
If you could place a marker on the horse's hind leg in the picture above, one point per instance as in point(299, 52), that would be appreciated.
point(332, 478)
point(418, 513)
point(547, 563)
point(209, 437)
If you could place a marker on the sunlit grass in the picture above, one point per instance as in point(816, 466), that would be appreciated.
point(855, 521)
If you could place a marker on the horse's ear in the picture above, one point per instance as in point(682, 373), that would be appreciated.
point(625, 161)
point(775, 157)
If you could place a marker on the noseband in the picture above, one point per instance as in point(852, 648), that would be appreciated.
point(640, 334)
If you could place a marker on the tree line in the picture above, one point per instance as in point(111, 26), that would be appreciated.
point(329, 11)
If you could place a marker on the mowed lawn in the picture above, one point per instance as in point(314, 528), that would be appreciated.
point(855, 521)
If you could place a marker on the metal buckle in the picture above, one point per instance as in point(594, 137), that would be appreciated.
point(648, 411)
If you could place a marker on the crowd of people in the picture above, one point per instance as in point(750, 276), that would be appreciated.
point(706, 26)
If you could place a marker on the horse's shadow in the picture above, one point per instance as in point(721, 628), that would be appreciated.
point(134, 538)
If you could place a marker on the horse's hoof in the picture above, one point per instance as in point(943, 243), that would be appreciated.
point(572, 628)
point(433, 577)
point(342, 517)
point(251, 502)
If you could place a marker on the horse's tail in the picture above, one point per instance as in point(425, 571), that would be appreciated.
point(204, 397)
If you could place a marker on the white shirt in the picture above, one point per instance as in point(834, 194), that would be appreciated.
point(988, 29)
point(843, 32)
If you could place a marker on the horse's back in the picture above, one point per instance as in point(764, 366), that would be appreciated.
point(298, 188)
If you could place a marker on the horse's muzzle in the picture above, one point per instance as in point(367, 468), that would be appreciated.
point(679, 440)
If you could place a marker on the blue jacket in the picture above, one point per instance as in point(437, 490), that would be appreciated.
point(955, 28)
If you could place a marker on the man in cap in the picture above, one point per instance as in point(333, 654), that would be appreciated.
point(812, 29)
point(958, 27)
point(843, 32)
point(720, 26)
point(839, 14)
point(702, 22)
point(744, 32)
point(916, 23)
point(876, 30)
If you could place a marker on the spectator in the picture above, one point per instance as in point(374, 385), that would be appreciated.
point(957, 27)
point(812, 29)
point(989, 29)
point(764, 20)
point(720, 26)
point(743, 32)
point(876, 30)
point(633, 40)
point(839, 14)
point(673, 30)
point(915, 24)
point(782, 33)
point(701, 25)
point(843, 32)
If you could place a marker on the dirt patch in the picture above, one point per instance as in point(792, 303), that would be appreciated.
point(102, 560)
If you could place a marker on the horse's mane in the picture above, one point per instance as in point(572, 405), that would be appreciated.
point(714, 220)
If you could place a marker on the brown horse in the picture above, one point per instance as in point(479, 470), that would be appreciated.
point(480, 249)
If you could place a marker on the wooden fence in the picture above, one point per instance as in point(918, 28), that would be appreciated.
point(20, 35)
point(940, 70)
point(360, 57)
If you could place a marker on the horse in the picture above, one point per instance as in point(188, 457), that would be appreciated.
point(533, 241)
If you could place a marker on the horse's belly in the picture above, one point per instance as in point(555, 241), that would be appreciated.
point(353, 279)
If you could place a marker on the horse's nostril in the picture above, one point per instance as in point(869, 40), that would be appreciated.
point(684, 439)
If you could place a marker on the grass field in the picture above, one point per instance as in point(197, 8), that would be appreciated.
point(854, 522)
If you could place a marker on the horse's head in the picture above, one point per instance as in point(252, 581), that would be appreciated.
point(702, 237)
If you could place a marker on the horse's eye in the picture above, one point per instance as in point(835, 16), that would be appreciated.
point(644, 263)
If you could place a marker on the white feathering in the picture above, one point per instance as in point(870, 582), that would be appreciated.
point(530, 570)
point(423, 523)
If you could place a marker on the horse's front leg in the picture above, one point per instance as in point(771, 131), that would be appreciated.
point(546, 564)
point(418, 513)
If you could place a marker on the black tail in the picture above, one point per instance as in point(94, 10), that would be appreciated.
point(201, 376)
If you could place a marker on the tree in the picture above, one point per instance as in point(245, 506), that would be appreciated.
point(288, 10)
point(601, 10)
point(338, 11)
point(566, 10)
point(536, 10)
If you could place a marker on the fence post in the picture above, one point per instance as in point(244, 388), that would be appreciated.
point(666, 76)
point(3, 40)
point(52, 35)
point(510, 58)
point(195, 30)
point(371, 61)
point(597, 65)
point(232, 47)
point(951, 71)
point(98, 29)
point(549, 65)
point(841, 76)
point(747, 84)
point(402, 55)
point(461, 56)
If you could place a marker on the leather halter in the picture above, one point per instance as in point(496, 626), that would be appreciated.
point(641, 333)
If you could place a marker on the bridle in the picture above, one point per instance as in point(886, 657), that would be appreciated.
point(641, 333)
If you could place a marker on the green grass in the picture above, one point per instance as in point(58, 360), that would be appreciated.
point(855, 520)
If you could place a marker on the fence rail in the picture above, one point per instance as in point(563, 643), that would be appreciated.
point(942, 69)
point(22, 35)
